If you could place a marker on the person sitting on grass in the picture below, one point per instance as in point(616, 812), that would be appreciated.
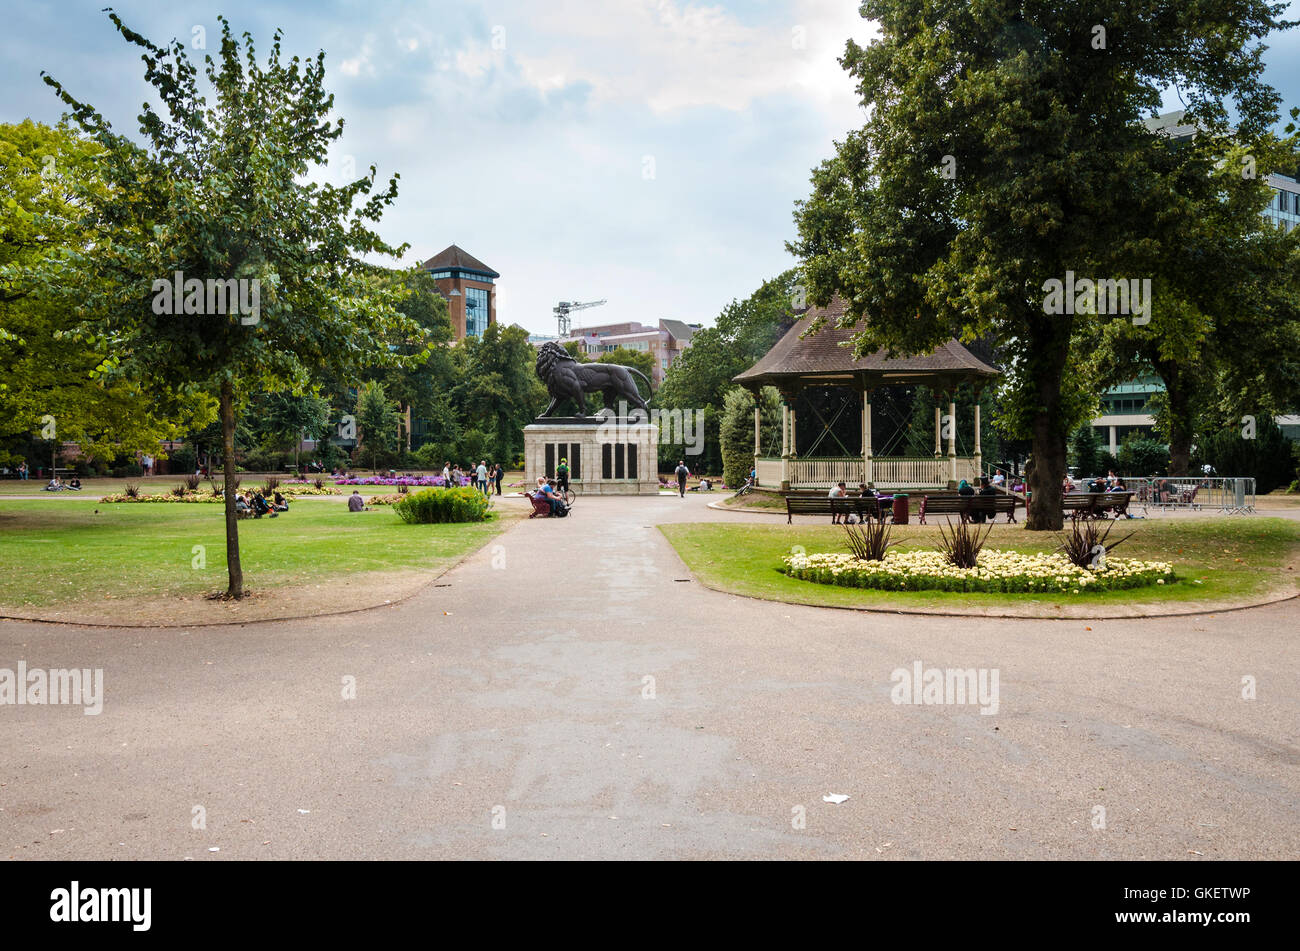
point(241, 505)
point(355, 502)
point(545, 491)
point(75, 484)
point(281, 504)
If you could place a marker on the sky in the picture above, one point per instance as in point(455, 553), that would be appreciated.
point(648, 152)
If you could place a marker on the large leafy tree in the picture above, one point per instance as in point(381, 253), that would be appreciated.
point(49, 186)
point(220, 191)
point(1004, 147)
point(499, 390)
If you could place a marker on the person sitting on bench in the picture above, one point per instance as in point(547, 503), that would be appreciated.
point(985, 491)
point(544, 489)
point(837, 492)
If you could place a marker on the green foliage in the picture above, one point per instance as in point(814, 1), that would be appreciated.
point(1085, 451)
point(736, 431)
point(222, 190)
point(1003, 151)
point(701, 376)
point(377, 420)
point(497, 390)
point(48, 362)
point(1142, 456)
point(1269, 458)
point(433, 506)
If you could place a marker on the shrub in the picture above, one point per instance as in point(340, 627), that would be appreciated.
point(1140, 456)
point(434, 506)
point(270, 485)
point(132, 490)
point(870, 540)
point(318, 483)
point(1084, 537)
point(192, 482)
point(961, 545)
point(179, 490)
point(130, 470)
point(184, 459)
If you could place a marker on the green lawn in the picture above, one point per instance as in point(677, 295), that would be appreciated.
point(1218, 560)
point(77, 550)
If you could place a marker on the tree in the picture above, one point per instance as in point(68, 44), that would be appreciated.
point(1006, 151)
point(1267, 456)
point(1142, 456)
point(701, 376)
point(737, 431)
point(48, 384)
point(285, 418)
point(377, 420)
point(1085, 448)
point(499, 392)
point(219, 198)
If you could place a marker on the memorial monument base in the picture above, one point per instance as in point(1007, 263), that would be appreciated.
point(607, 456)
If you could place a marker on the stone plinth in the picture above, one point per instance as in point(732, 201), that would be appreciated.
point(606, 456)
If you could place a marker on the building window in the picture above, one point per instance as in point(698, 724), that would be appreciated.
point(476, 311)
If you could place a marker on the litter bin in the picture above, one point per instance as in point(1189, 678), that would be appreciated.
point(900, 509)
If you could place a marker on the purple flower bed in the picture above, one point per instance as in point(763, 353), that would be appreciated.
point(400, 480)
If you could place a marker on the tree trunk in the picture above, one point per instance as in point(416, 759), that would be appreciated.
point(236, 572)
point(1049, 338)
point(1178, 394)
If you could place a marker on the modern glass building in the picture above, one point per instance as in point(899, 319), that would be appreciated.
point(470, 288)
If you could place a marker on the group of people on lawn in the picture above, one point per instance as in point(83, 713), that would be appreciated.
point(254, 503)
point(485, 476)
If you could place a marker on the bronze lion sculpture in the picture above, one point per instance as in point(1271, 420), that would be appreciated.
point(566, 378)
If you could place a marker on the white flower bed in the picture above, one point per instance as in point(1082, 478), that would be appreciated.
point(1009, 571)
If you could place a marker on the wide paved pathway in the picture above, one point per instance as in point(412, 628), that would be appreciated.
point(507, 713)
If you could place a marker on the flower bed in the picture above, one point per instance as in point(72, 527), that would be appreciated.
point(423, 481)
point(294, 489)
point(1000, 571)
point(166, 497)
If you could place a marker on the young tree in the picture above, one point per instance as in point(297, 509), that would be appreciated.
point(219, 198)
point(377, 419)
point(1004, 148)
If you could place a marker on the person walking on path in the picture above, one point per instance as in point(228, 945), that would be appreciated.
point(682, 475)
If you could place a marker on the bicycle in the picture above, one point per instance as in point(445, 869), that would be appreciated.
point(567, 494)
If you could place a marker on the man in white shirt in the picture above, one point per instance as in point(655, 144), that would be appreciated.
point(837, 492)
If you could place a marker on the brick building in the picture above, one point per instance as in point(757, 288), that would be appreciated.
point(470, 288)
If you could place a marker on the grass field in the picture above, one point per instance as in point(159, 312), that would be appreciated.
point(80, 555)
point(1219, 562)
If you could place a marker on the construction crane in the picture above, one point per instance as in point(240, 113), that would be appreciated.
point(562, 309)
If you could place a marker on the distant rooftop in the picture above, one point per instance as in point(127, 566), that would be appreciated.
point(453, 257)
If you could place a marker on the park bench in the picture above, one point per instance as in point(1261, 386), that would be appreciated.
point(1096, 504)
point(967, 505)
point(541, 506)
point(824, 505)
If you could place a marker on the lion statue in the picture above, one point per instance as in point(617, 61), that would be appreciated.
point(566, 378)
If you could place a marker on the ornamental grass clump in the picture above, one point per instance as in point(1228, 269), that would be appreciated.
point(434, 506)
point(870, 540)
point(961, 545)
point(132, 490)
point(1084, 544)
point(192, 482)
point(179, 490)
point(268, 488)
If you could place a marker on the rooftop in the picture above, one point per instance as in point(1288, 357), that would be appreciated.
point(826, 358)
point(453, 257)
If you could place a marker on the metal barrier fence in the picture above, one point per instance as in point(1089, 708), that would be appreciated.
point(1231, 495)
point(1228, 494)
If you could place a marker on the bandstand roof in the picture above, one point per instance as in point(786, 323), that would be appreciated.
point(826, 359)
